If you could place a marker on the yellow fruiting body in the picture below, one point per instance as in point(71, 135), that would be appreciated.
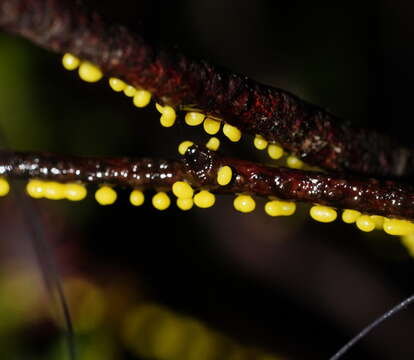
point(117, 84)
point(398, 227)
point(280, 208)
point(365, 223)
point(193, 118)
point(4, 187)
point(70, 62)
point(35, 188)
point(182, 190)
point(159, 107)
point(213, 144)
point(89, 72)
point(211, 126)
point(324, 214)
point(142, 98)
point(408, 242)
point(136, 197)
point(244, 203)
point(182, 148)
point(204, 199)
point(161, 201)
point(185, 203)
point(224, 175)
point(105, 195)
point(75, 192)
point(260, 142)
point(232, 133)
point(275, 151)
point(168, 116)
point(130, 91)
point(349, 216)
point(54, 190)
point(378, 220)
point(294, 163)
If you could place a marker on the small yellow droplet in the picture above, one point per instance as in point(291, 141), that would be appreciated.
point(168, 116)
point(275, 151)
point(194, 118)
point(365, 223)
point(349, 216)
point(204, 199)
point(294, 163)
point(136, 197)
point(130, 91)
point(116, 84)
point(4, 187)
point(213, 144)
point(244, 203)
point(185, 204)
point(182, 190)
point(105, 195)
point(161, 201)
point(70, 62)
point(260, 142)
point(182, 148)
point(398, 227)
point(224, 175)
point(142, 98)
point(323, 214)
point(211, 126)
point(89, 72)
point(232, 132)
point(54, 190)
point(280, 208)
point(75, 192)
point(35, 189)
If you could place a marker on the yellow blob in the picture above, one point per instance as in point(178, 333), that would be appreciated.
point(4, 187)
point(211, 126)
point(224, 175)
point(323, 214)
point(398, 227)
point(35, 189)
point(185, 203)
point(275, 151)
point(182, 190)
point(168, 116)
point(182, 148)
point(349, 216)
point(378, 220)
point(54, 190)
point(280, 208)
point(142, 98)
point(194, 118)
point(232, 132)
point(408, 242)
point(213, 144)
point(294, 163)
point(365, 223)
point(105, 195)
point(89, 72)
point(130, 91)
point(75, 192)
point(244, 203)
point(161, 201)
point(70, 62)
point(117, 84)
point(204, 199)
point(136, 197)
point(159, 107)
point(260, 142)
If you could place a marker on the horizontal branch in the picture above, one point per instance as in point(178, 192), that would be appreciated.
point(310, 132)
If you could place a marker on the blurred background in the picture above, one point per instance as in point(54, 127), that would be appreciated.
point(207, 284)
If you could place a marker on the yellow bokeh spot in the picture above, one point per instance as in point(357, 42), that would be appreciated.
point(275, 151)
point(70, 62)
point(136, 197)
point(260, 142)
point(213, 144)
point(117, 84)
point(142, 98)
point(280, 208)
point(168, 116)
point(182, 190)
point(232, 132)
point(54, 190)
point(130, 91)
point(224, 175)
point(244, 203)
point(161, 201)
point(323, 214)
point(211, 126)
point(294, 163)
point(35, 189)
point(398, 227)
point(4, 187)
point(75, 192)
point(182, 148)
point(105, 195)
point(349, 216)
point(194, 118)
point(365, 223)
point(185, 203)
point(89, 72)
point(204, 199)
